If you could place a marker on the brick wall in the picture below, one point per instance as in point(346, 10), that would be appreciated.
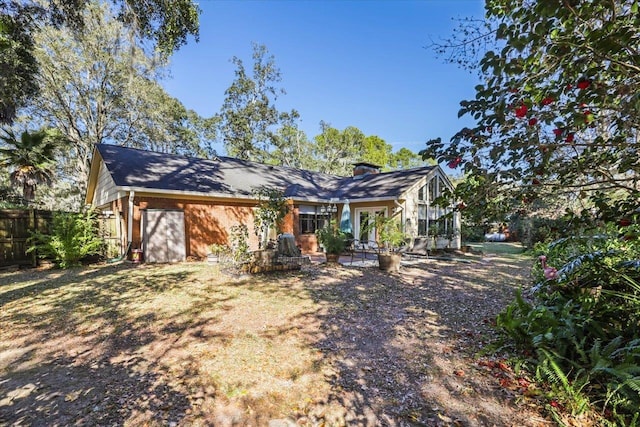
point(206, 222)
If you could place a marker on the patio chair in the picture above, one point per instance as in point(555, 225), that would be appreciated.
point(364, 248)
point(420, 247)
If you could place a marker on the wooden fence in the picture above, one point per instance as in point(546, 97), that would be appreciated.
point(17, 225)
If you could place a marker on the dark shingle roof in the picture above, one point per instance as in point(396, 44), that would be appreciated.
point(227, 176)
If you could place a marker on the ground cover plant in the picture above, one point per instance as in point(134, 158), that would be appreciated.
point(185, 345)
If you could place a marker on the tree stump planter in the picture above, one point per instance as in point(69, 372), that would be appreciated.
point(389, 262)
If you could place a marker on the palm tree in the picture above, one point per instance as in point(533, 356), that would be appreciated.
point(31, 157)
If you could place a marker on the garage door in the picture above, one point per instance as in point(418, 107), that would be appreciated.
point(164, 235)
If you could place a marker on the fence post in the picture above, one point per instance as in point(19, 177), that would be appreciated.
point(34, 225)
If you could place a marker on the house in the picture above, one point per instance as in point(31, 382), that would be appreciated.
point(172, 206)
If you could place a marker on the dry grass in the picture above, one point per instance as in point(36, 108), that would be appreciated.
point(186, 345)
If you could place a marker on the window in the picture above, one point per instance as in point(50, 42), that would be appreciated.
point(422, 193)
point(307, 223)
point(433, 189)
point(430, 216)
point(422, 220)
point(310, 221)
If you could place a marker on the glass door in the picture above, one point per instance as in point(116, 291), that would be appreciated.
point(365, 224)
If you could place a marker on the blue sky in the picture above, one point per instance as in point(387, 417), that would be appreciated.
point(349, 63)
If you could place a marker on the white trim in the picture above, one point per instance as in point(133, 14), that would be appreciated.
point(306, 209)
point(356, 220)
point(132, 195)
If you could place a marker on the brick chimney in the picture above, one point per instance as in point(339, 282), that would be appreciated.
point(361, 169)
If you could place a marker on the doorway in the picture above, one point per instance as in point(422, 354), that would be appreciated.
point(163, 234)
point(364, 227)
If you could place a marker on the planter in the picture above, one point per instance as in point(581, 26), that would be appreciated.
point(389, 262)
point(265, 256)
point(442, 243)
point(332, 258)
point(137, 256)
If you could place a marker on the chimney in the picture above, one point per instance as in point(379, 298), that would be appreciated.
point(361, 169)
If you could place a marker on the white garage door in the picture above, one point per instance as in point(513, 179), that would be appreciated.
point(164, 239)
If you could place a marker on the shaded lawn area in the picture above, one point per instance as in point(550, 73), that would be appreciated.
point(187, 345)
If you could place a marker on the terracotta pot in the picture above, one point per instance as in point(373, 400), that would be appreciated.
point(389, 262)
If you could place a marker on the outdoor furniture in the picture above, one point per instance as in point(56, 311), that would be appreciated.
point(363, 248)
point(419, 246)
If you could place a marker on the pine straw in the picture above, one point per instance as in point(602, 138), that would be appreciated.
point(187, 345)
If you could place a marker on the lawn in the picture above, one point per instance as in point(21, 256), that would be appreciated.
point(186, 344)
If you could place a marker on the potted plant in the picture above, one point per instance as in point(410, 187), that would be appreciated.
point(392, 238)
point(333, 240)
point(452, 234)
point(434, 234)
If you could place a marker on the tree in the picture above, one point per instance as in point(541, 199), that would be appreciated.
point(248, 114)
point(558, 113)
point(270, 213)
point(405, 159)
point(32, 158)
point(168, 23)
point(159, 122)
point(291, 145)
point(336, 150)
point(376, 150)
point(17, 65)
point(99, 86)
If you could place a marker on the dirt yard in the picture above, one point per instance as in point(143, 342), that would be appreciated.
point(186, 345)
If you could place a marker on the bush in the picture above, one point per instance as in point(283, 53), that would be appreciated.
point(332, 238)
point(532, 230)
point(73, 236)
point(239, 242)
point(472, 233)
point(581, 325)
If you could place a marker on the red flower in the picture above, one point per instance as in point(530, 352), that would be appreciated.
point(455, 162)
point(521, 111)
point(570, 137)
point(548, 100)
point(461, 206)
point(533, 121)
point(569, 86)
point(535, 181)
point(583, 84)
point(624, 222)
point(558, 132)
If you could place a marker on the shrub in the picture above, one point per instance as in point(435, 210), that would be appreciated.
point(581, 324)
point(73, 236)
point(332, 238)
point(239, 240)
point(472, 233)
